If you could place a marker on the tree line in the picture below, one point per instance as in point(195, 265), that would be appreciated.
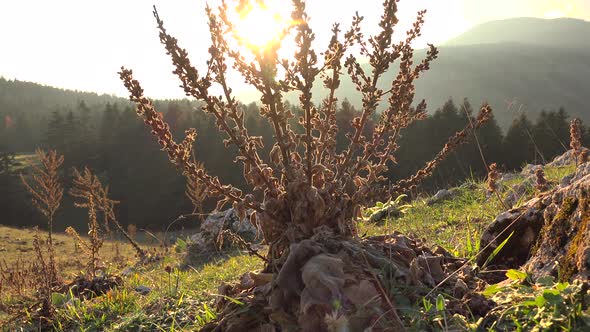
point(111, 141)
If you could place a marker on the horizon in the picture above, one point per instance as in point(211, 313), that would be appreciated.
point(130, 37)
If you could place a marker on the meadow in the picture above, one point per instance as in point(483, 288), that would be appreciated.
point(182, 295)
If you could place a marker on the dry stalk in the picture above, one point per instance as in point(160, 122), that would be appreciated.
point(88, 187)
point(541, 183)
point(576, 138)
point(47, 192)
point(196, 192)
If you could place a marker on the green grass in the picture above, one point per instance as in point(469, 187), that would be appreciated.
point(183, 300)
point(180, 300)
point(24, 161)
point(448, 223)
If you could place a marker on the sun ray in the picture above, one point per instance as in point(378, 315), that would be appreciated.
point(261, 24)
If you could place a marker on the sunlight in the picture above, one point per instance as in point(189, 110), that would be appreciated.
point(261, 24)
point(565, 11)
point(554, 14)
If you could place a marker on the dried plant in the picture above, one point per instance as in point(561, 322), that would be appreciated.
point(576, 137)
point(584, 156)
point(308, 184)
point(88, 187)
point(47, 192)
point(493, 177)
point(96, 241)
point(492, 183)
point(196, 192)
point(21, 276)
point(47, 277)
point(541, 183)
point(132, 230)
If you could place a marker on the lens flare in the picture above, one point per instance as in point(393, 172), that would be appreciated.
point(260, 24)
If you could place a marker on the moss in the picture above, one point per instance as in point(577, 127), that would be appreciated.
point(568, 266)
point(554, 233)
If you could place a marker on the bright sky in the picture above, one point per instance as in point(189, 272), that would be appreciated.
point(80, 44)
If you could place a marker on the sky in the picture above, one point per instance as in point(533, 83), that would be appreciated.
point(81, 44)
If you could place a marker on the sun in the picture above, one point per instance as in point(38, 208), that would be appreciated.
point(561, 10)
point(260, 24)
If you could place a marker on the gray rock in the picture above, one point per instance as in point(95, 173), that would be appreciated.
point(552, 223)
point(518, 192)
point(127, 271)
point(143, 290)
point(509, 177)
point(568, 158)
point(207, 239)
point(529, 170)
point(567, 180)
point(469, 186)
point(442, 195)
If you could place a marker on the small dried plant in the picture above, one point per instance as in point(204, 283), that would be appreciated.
point(132, 231)
point(92, 247)
point(584, 156)
point(20, 276)
point(88, 187)
point(541, 183)
point(47, 277)
point(196, 192)
point(576, 138)
point(308, 185)
point(47, 192)
point(493, 177)
point(492, 183)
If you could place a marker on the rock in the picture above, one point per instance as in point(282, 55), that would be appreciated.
point(529, 170)
point(143, 290)
point(442, 195)
point(509, 177)
point(568, 158)
point(469, 185)
point(127, 271)
point(529, 222)
point(460, 289)
point(566, 180)
point(518, 192)
point(208, 240)
point(551, 233)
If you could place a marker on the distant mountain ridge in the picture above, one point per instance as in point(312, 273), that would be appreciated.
point(537, 63)
point(524, 64)
point(559, 32)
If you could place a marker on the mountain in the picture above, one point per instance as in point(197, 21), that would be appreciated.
point(560, 32)
point(510, 75)
point(518, 64)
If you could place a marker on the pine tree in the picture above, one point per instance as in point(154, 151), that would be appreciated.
point(518, 146)
point(55, 138)
point(551, 132)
